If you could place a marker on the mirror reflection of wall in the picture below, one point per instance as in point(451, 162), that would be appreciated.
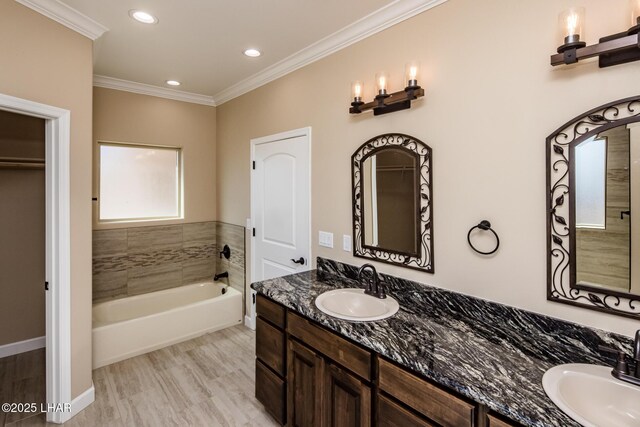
point(390, 200)
point(607, 186)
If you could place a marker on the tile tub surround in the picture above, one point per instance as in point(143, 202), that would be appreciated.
point(493, 354)
point(234, 236)
point(137, 260)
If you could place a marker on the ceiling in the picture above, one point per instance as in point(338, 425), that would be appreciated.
point(200, 42)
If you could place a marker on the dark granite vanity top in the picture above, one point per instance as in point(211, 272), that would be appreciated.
point(491, 353)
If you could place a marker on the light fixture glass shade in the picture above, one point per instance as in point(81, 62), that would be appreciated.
point(571, 26)
point(382, 83)
point(356, 91)
point(411, 73)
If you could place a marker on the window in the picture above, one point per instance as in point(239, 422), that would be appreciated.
point(139, 182)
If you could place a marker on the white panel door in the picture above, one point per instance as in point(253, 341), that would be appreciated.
point(280, 205)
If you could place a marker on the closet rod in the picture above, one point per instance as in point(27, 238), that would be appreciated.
point(21, 163)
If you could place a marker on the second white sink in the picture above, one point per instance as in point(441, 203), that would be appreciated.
point(354, 304)
point(591, 396)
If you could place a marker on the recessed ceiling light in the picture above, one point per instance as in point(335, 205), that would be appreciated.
point(253, 53)
point(173, 83)
point(144, 17)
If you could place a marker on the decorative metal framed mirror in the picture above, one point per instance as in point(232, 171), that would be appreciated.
point(392, 201)
point(593, 210)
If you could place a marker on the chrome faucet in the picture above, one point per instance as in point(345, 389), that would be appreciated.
point(621, 371)
point(374, 287)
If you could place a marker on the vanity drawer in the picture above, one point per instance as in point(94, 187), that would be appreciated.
point(390, 414)
point(493, 421)
point(338, 349)
point(428, 399)
point(270, 346)
point(271, 392)
point(270, 311)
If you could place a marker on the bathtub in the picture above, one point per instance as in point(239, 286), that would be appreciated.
point(131, 326)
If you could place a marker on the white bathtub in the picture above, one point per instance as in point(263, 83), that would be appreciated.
point(130, 326)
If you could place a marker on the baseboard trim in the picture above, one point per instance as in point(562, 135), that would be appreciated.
point(250, 322)
point(22, 346)
point(81, 402)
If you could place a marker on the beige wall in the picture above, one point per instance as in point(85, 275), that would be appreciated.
point(129, 117)
point(21, 136)
point(491, 100)
point(45, 62)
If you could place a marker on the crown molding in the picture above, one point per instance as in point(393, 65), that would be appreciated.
point(67, 16)
point(371, 24)
point(145, 89)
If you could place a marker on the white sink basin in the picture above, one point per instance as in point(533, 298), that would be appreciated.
point(591, 396)
point(354, 304)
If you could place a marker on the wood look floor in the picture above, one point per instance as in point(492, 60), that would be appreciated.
point(207, 381)
point(22, 379)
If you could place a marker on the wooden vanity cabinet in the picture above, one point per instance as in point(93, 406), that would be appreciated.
point(391, 414)
point(323, 388)
point(271, 358)
point(348, 399)
point(308, 376)
point(428, 399)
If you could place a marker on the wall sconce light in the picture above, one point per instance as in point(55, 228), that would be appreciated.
point(615, 49)
point(385, 102)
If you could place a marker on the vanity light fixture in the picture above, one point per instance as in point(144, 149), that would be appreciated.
point(615, 49)
point(385, 102)
point(142, 16)
point(173, 83)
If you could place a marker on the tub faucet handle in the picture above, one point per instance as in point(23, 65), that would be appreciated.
point(226, 252)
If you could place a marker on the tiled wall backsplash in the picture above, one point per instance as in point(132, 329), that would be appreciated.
point(133, 261)
point(232, 235)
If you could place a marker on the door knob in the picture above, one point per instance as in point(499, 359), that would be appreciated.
point(622, 213)
point(298, 261)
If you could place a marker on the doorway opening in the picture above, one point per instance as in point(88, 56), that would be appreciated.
point(22, 263)
point(57, 312)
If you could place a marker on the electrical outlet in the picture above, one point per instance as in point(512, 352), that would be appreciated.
point(325, 239)
point(346, 242)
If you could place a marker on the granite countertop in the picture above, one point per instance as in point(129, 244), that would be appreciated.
point(492, 354)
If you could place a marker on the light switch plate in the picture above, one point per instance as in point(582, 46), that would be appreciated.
point(346, 242)
point(325, 239)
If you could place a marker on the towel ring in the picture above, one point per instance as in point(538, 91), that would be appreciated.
point(484, 225)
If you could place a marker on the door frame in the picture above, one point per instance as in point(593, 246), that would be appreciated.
point(58, 247)
point(302, 132)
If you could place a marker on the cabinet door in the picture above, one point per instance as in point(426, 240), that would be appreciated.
point(304, 386)
point(347, 400)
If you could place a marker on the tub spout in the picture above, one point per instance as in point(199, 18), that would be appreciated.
point(220, 276)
